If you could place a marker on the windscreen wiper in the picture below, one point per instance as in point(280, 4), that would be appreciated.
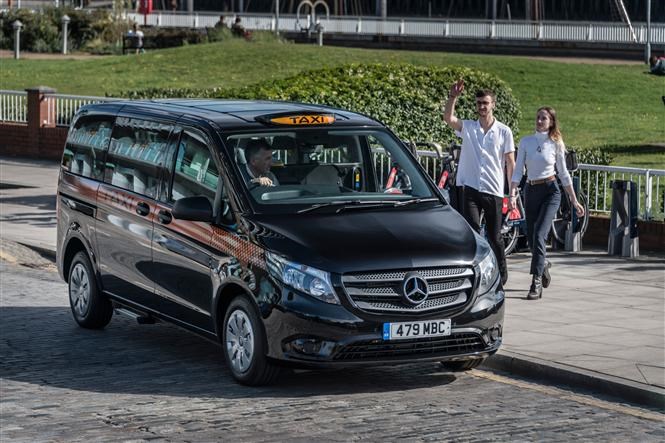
point(365, 204)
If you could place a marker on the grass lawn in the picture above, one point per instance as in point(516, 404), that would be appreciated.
point(618, 106)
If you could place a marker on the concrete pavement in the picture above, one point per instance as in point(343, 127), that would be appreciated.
point(600, 325)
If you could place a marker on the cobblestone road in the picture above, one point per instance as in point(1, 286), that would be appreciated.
point(156, 382)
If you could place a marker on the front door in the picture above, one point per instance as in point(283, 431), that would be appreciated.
point(181, 249)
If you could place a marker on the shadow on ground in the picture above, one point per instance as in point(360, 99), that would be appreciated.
point(43, 345)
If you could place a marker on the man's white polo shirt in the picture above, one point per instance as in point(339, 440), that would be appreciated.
point(481, 164)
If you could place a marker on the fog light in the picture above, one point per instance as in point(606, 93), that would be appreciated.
point(495, 332)
point(312, 346)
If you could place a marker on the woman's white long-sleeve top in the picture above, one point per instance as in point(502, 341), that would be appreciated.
point(539, 153)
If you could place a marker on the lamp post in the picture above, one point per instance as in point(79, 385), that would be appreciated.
point(17, 38)
point(65, 22)
point(277, 17)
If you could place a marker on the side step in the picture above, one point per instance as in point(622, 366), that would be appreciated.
point(140, 319)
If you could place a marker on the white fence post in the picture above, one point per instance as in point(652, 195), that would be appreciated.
point(647, 195)
point(359, 26)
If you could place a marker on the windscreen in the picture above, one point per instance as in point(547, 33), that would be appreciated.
point(291, 170)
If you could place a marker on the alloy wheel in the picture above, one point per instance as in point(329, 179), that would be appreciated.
point(79, 289)
point(239, 341)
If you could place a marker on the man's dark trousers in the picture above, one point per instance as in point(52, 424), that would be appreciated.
point(475, 202)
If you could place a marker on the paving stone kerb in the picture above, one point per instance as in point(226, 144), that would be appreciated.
point(600, 324)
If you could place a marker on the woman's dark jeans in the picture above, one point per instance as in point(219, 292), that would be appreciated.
point(542, 202)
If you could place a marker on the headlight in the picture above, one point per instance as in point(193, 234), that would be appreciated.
point(488, 272)
point(303, 278)
point(487, 265)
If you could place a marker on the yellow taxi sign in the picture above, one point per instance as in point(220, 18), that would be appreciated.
point(304, 119)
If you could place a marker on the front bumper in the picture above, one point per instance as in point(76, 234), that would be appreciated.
point(304, 332)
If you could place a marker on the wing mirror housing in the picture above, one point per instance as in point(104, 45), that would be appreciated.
point(197, 208)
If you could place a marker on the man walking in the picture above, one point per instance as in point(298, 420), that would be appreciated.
point(487, 157)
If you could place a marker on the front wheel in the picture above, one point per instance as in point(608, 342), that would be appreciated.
point(462, 365)
point(244, 344)
point(89, 307)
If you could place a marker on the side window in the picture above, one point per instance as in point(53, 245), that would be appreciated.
point(195, 170)
point(137, 155)
point(391, 176)
point(86, 146)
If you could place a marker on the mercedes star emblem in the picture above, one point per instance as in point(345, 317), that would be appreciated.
point(414, 288)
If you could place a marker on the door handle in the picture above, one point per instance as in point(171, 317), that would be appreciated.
point(142, 208)
point(164, 217)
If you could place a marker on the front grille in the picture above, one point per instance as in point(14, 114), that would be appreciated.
point(462, 343)
point(379, 292)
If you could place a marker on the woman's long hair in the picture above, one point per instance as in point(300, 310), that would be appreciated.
point(554, 132)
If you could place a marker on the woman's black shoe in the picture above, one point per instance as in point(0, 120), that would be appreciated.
point(547, 278)
point(536, 289)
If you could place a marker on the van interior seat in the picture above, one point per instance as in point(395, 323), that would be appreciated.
point(81, 164)
point(323, 175)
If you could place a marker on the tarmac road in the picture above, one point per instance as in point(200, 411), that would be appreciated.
point(159, 383)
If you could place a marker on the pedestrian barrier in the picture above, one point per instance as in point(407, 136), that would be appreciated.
point(13, 106)
point(623, 238)
point(650, 183)
point(607, 32)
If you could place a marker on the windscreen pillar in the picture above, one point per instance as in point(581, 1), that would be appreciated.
point(623, 237)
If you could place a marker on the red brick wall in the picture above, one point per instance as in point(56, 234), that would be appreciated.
point(15, 140)
point(651, 233)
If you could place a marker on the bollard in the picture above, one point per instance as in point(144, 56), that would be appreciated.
point(623, 236)
point(573, 239)
point(65, 22)
point(17, 38)
point(319, 33)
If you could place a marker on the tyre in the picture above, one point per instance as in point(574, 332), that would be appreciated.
point(89, 307)
point(510, 235)
point(244, 345)
point(462, 365)
point(564, 215)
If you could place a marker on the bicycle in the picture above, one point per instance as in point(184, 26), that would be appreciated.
point(512, 221)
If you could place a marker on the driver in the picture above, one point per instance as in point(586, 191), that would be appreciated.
point(258, 153)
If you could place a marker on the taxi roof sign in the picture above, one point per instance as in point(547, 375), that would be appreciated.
point(303, 119)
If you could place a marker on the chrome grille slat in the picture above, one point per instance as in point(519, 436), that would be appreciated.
point(391, 292)
point(381, 291)
point(427, 305)
point(398, 276)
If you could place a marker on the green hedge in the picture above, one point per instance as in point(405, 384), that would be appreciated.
point(407, 98)
point(42, 31)
point(97, 32)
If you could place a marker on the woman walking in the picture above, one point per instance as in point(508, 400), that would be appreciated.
point(543, 155)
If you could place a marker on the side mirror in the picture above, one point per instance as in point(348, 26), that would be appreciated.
point(196, 208)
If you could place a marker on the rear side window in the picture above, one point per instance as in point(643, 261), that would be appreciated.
point(195, 170)
point(86, 146)
point(137, 156)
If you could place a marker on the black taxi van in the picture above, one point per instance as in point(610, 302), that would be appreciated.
point(278, 229)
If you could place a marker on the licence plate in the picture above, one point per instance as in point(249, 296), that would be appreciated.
point(416, 329)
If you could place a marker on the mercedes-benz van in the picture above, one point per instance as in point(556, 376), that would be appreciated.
point(277, 229)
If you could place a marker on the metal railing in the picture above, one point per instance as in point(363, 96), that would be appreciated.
point(596, 184)
point(67, 105)
point(13, 106)
point(607, 32)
